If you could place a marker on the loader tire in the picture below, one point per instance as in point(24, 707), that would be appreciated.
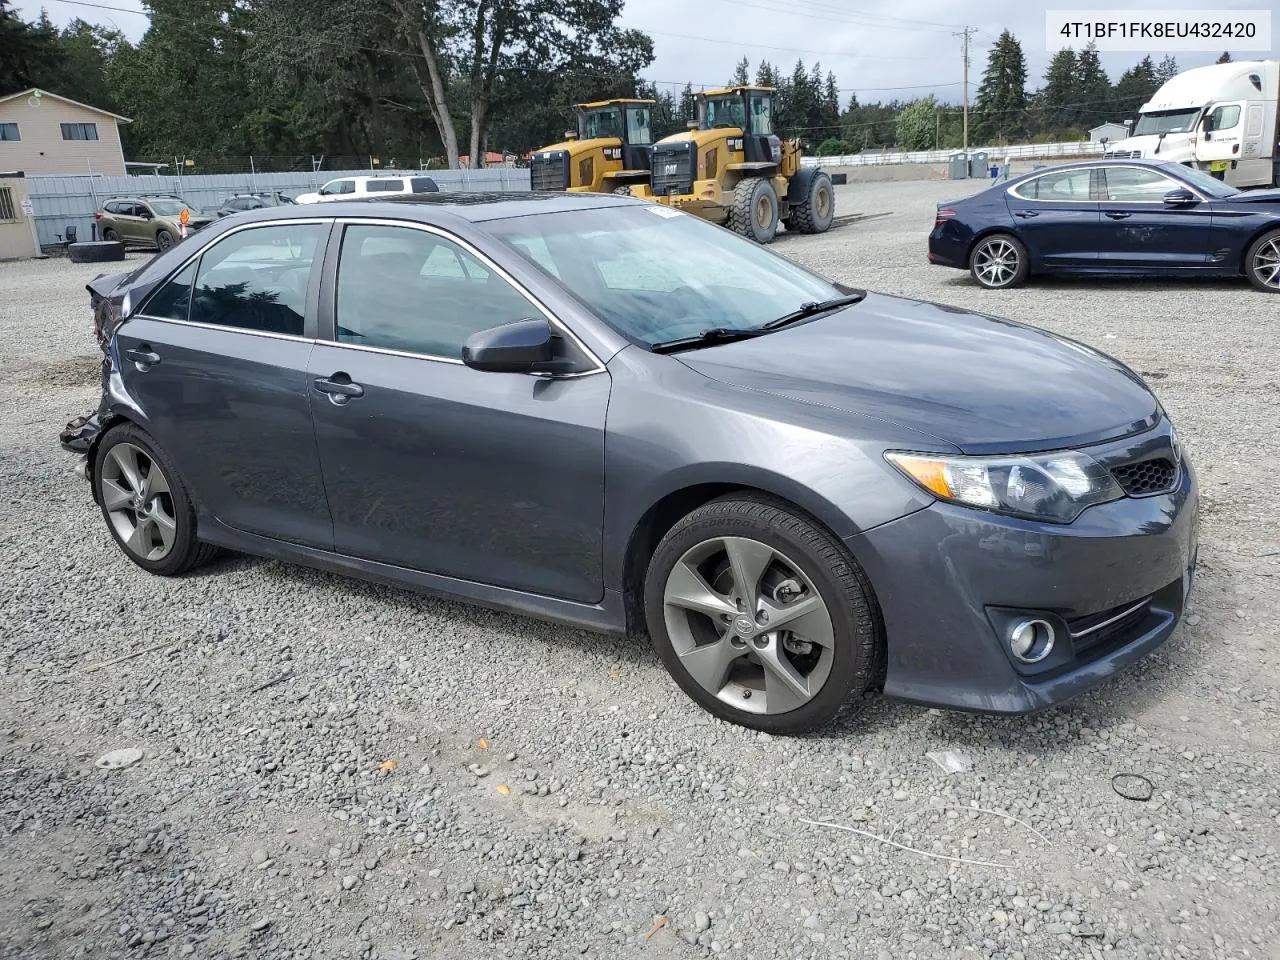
point(95, 251)
point(754, 213)
point(815, 212)
point(622, 191)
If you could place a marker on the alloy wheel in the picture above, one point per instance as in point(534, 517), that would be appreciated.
point(996, 263)
point(138, 501)
point(748, 625)
point(1266, 263)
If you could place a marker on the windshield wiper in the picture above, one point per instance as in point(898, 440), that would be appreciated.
point(808, 310)
point(706, 338)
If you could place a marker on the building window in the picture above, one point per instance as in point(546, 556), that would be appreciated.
point(9, 131)
point(7, 211)
point(79, 131)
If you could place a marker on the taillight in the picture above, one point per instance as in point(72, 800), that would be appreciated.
point(942, 216)
point(97, 214)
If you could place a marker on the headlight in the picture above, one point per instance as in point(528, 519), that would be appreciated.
point(1053, 486)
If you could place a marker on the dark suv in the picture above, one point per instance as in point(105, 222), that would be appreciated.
point(240, 202)
point(148, 219)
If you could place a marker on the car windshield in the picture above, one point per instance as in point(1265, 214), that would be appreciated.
point(725, 112)
point(1210, 186)
point(1166, 121)
point(655, 274)
point(171, 208)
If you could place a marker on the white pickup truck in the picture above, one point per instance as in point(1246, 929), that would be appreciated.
point(1223, 119)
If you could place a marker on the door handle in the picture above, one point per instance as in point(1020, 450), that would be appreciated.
point(1026, 214)
point(339, 388)
point(1117, 215)
point(143, 355)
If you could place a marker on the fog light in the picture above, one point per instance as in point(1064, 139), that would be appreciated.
point(1031, 640)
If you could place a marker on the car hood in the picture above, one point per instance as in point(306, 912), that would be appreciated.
point(1254, 196)
point(982, 384)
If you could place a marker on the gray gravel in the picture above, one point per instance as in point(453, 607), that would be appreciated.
point(350, 809)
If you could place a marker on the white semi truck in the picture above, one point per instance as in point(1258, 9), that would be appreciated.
point(1223, 119)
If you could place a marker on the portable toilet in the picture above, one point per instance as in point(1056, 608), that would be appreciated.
point(958, 167)
point(978, 165)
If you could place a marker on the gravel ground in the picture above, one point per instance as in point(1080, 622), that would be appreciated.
point(332, 769)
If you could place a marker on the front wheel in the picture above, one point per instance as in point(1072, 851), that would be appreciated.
point(999, 262)
point(754, 213)
point(815, 212)
point(164, 240)
point(1262, 262)
point(761, 616)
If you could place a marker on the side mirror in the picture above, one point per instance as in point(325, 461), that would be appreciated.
point(511, 348)
point(1180, 198)
point(146, 215)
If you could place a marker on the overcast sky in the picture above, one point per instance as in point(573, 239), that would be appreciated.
point(882, 51)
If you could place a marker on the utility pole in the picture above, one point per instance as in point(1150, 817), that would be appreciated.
point(966, 34)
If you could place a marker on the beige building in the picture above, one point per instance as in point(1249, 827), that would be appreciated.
point(43, 133)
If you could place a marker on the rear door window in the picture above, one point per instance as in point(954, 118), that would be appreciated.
point(1067, 185)
point(257, 279)
point(384, 186)
point(1135, 185)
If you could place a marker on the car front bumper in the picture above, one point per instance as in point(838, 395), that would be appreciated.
point(950, 581)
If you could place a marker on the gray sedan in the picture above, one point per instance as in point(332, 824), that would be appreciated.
point(604, 412)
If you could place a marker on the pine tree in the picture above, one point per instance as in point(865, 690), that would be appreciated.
point(830, 105)
point(1002, 95)
point(1133, 89)
point(1167, 70)
point(1225, 58)
point(741, 75)
point(688, 108)
point(1093, 88)
point(1054, 102)
point(766, 74)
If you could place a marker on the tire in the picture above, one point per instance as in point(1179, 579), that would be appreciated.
point(1262, 262)
point(622, 191)
point(110, 234)
point(124, 476)
point(95, 251)
point(799, 563)
point(815, 212)
point(754, 213)
point(164, 240)
point(999, 262)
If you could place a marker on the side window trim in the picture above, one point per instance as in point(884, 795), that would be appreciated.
point(329, 307)
point(309, 333)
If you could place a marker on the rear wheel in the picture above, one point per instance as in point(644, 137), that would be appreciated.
point(1262, 262)
point(109, 234)
point(164, 240)
point(146, 505)
point(999, 262)
point(815, 212)
point(754, 213)
point(761, 616)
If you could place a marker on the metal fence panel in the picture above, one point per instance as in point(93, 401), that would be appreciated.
point(60, 202)
point(1022, 151)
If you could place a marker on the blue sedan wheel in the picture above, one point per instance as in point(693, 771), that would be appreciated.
point(999, 261)
point(1262, 263)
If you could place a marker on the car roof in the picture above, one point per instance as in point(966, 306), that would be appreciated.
point(442, 207)
point(1163, 165)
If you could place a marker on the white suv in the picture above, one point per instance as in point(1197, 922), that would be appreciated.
point(354, 188)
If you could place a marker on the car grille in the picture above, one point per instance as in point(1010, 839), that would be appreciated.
point(1122, 155)
point(549, 171)
point(1146, 477)
point(672, 169)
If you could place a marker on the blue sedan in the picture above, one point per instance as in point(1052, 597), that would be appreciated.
point(1111, 217)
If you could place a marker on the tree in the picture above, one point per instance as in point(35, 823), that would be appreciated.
point(496, 43)
point(84, 53)
point(1055, 102)
point(1092, 88)
point(741, 73)
point(1166, 70)
point(766, 74)
point(1133, 89)
point(28, 51)
point(916, 124)
point(688, 106)
point(1225, 58)
point(833, 147)
point(1002, 96)
point(830, 104)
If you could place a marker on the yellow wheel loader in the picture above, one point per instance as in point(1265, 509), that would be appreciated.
point(732, 169)
point(609, 153)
